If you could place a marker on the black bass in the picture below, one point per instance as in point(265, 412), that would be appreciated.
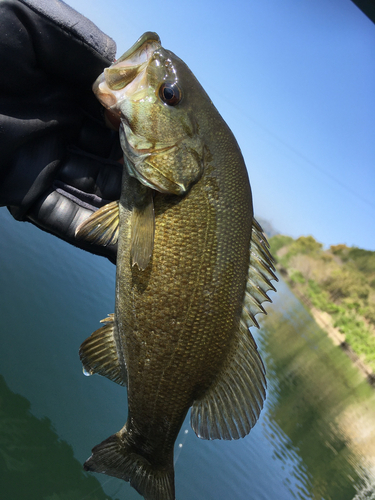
point(193, 269)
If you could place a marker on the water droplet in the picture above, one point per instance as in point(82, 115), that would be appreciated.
point(86, 373)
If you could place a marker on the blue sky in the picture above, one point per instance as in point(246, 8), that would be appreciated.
point(295, 81)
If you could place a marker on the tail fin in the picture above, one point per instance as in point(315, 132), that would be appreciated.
point(117, 457)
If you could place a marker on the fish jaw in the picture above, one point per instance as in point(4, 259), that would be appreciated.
point(109, 86)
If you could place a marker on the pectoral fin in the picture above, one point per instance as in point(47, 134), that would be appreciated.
point(102, 226)
point(98, 353)
point(143, 230)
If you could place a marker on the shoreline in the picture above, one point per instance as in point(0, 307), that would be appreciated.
point(325, 321)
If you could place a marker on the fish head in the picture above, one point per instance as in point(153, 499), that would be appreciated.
point(149, 88)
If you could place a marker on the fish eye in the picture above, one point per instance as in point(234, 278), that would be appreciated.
point(170, 93)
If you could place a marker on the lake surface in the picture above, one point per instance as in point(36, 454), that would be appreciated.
point(315, 438)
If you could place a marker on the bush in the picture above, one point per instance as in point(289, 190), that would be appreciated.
point(279, 241)
point(339, 281)
point(297, 277)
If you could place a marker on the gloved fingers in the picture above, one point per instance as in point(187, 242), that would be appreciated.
point(65, 44)
point(83, 184)
point(89, 180)
point(54, 139)
point(60, 216)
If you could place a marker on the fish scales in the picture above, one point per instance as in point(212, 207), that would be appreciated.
point(179, 336)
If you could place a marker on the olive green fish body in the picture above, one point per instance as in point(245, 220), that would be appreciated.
point(192, 271)
point(179, 316)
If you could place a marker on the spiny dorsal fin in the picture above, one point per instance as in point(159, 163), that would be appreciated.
point(143, 230)
point(98, 353)
point(260, 274)
point(102, 226)
point(231, 407)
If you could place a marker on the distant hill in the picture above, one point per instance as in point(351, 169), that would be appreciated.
point(339, 281)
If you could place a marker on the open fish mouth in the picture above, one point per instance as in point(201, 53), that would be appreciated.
point(109, 87)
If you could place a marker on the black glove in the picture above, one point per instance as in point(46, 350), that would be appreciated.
point(57, 157)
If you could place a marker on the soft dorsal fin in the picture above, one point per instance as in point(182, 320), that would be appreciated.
point(231, 407)
point(102, 226)
point(98, 353)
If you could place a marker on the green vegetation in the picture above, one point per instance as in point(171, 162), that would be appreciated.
point(315, 397)
point(339, 281)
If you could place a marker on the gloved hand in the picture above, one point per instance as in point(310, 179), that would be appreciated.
point(57, 156)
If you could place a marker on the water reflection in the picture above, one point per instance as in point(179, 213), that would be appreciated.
point(34, 462)
point(315, 395)
point(315, 438)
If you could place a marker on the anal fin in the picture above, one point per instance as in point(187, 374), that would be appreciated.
point(102, 226)
point(98, 353)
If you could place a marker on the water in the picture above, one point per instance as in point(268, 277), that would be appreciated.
point(315, 438)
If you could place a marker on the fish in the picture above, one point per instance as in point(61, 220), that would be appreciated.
point(193, 270)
